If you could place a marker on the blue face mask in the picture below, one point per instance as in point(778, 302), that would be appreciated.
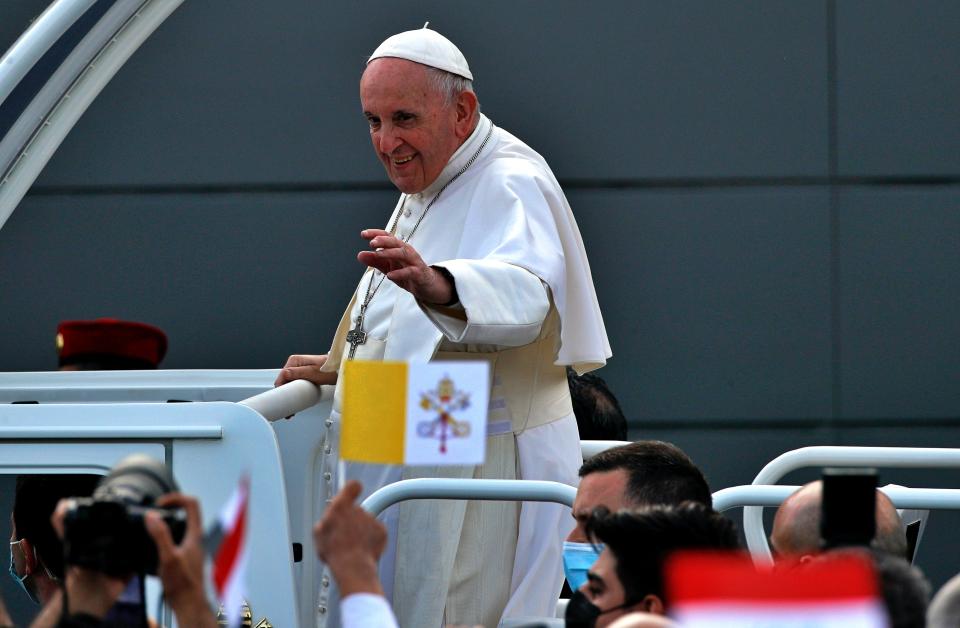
point(578, 558)
point(21, 580)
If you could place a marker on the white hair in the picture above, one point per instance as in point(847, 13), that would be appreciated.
point(449, 85)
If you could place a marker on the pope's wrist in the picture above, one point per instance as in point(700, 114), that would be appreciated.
point(448, 281)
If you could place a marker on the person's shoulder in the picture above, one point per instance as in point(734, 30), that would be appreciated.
point(516, 164)
point(514, 151)
point(511, 167)
point(515, 177)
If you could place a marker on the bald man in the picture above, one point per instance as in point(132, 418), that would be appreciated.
point(796, 527)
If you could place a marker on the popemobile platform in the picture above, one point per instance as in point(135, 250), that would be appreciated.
point(85, 422)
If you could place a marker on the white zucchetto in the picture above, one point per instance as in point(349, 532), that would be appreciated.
point(427, 47)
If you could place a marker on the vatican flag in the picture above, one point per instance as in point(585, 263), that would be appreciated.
point(415, 414)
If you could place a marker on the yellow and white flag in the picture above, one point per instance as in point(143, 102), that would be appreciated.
point(415, 414)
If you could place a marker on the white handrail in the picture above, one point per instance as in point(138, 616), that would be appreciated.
point(448, 488)
point(897, 457)
point(286, 400)
point(590, 448)
point(36, 40)
point(750, 495)
point(901, 496)
point(122, 432)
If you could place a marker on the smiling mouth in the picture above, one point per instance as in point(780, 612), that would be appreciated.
point(402, 160)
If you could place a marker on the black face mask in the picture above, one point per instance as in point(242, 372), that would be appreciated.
point(582, 613)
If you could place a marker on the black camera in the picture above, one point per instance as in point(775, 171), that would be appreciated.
point(106, 532)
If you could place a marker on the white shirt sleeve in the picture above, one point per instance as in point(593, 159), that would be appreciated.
point(503, 304)
point(366, 610)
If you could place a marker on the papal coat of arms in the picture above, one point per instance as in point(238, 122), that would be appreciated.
point(444, 401)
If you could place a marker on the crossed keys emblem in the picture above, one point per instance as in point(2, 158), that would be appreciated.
point(445, 400)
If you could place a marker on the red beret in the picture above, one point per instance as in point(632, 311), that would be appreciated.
point(81, 341)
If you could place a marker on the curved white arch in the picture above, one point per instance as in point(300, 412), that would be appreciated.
point(92, 77)
point(36, 40)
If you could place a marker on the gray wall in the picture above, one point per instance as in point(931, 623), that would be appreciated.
point(768, 191)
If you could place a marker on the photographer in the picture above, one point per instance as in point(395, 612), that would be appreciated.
point(91, 594)
point(124, 532)
point(36, 553)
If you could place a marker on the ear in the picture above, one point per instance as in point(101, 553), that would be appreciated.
point(652, 604)
point(29, 557)
point(466, 108)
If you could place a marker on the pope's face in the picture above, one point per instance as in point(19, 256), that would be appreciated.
point(413, 130)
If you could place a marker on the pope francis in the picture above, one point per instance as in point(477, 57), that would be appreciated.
point(481, 259)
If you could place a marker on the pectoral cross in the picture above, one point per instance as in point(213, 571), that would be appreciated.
point(356, 336)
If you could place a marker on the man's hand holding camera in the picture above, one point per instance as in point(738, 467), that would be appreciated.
point(180, 567)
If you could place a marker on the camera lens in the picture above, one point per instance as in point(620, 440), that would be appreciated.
point(136, 480)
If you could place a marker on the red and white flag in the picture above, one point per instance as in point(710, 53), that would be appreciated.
point(230, 554)
point(727, 590)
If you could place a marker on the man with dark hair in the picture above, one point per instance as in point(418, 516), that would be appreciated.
point(628, 576)
point(639, 474)
point(598, 412)
point(36, 554)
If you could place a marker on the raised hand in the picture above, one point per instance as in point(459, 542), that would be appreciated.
point(350, 540)
point(180, 567)
point(402, 264)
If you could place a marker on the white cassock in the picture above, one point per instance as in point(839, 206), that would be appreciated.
point(527, 305)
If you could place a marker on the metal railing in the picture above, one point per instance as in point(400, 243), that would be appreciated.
point(821, 456)
point(448, 488)
point(591, 448)
point(901, 496)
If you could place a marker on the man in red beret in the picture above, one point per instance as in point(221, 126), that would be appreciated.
point(108, 344)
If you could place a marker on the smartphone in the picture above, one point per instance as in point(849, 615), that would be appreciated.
point(848, 509)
